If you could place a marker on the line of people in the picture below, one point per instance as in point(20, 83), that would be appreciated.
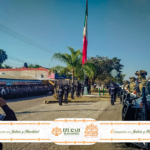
point(11, 92)
point(64, 90)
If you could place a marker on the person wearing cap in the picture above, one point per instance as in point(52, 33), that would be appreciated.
point(60, 94)
point(66, 90)
point(82, 89)
point(77, 89)
point(136, 88)
point(132, 84)
point(142, 77)
point(116, 91)
point(72, 90)
point(112, 91)
point(126, 85)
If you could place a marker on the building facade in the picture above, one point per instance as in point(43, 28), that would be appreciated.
point(35, 73)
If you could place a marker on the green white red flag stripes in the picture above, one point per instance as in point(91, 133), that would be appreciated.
point(85, 40)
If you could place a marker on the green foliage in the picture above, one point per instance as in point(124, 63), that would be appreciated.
point(1, 65)
point(33, 66)
point(96, 68)
point(7, 66)
point(103, 68)
point(122, 76)
point(3, 56)
point(73, 63)
point(116, 64)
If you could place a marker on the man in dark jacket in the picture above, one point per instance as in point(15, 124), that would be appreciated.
point(77, 90)
point(112, 91)
point(116, 90)
point(82, 89)
point(66, 91)
point(72, 90)
point(60, 94)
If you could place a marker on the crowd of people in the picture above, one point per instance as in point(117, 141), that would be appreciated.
point(13, 92)
point(135, 85)
point(132, 87)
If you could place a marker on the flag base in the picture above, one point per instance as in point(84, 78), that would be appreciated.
point(85, 91)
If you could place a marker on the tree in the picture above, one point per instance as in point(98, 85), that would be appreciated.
point(116, 64)
point(3, 56)
point(121, 78)
point(7, 66)
point(1, 65)
point(33, 66)
point(73, 64)
point(103, 67)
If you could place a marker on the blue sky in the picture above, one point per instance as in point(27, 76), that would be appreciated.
point(116, 28)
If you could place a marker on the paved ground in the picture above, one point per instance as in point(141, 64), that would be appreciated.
point(34, 109)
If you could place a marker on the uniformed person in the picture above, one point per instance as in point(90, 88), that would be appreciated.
point(136, 89)
point(10, 95)
point(82, 89)
point(72, 91)
point(126, 85)
point(142, 77)
point(7, 92)
point(34, 91)
point(2, 92)
point(112, 93)
point(66, 90)
point(21, 92)
point(60, 94)
point(132, 84)
point(89, 89)
point(77, 90)
point(116, 91)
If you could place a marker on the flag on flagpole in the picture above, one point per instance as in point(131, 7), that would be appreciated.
point(85, 40)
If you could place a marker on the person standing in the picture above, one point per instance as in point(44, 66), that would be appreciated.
point(142, 77)
point(112, 93)
point(3, 92)
point(82, 89)
point(10, 93)
point(116, 91)
point(89, 89)
point(77, 90)
point(17, 93)
point(60, 94)
point(7, 92)
point(72, 91)
point(66, 90)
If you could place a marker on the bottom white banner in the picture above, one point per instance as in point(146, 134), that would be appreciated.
point(77, 131)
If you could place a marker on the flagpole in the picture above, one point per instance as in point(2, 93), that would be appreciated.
point(84, 57)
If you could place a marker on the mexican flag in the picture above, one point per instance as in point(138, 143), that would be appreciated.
point(85, 42)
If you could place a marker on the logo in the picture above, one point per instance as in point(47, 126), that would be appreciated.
point(56, 131)
point(71, 131)
point(91, 131)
